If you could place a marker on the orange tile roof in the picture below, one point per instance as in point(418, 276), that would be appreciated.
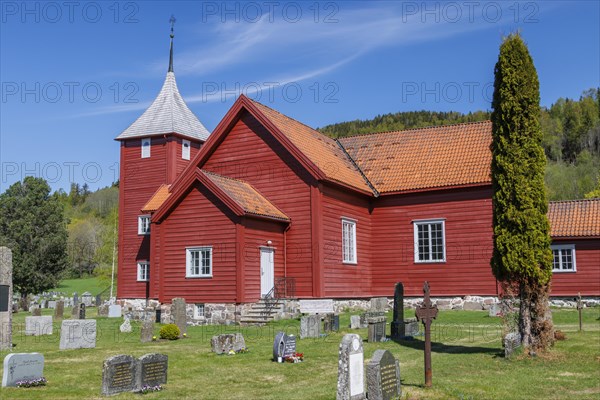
point(321, 150)
point(425, 158)
point(575, 218)
point(248, 198)
point(157, 199)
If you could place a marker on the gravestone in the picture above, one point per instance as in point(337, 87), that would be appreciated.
point(332, 323)
point(355, 322)
point(119, 374)
point(36, 311)
point(38, 326)
point(60, 309)
point(147, 331)
point(52, 304)
point(86, 298)
point(310, 326)
point(78, 334)
point(320, 306)
point(114, 311)
point(45, 303)
point(6, 294)
point(379, 304)
point(75, 311)
point(383, 376)
point(81, 314)
point(22, 366)
point(351, 380)
point(103, 310)
point(376, 332)
point(178, 310)
point(398, 318)
point(98, 301)
point(152, 370)
point(495, 310)
point(411, 327)
point(283, 346)
point(511, 342)
point(125, 326)
point(221, 344)
point(426, 312)
point(75, 299)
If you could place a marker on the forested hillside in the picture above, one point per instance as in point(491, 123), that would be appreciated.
point(571, 139)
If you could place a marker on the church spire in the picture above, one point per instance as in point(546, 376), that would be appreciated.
point(172, 21)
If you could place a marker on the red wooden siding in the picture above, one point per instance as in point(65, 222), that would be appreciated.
point(346, 280)
point(256, 235)
point(587, 278)
point(250, 153)
point(140, 177)
point(200, 219)
point(468, 234)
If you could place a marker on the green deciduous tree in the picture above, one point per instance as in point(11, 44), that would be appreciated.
point(522, 259)
point(33, 226)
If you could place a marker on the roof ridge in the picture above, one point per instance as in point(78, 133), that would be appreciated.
point(573, 201)
point(224, 177)
point(425, 128)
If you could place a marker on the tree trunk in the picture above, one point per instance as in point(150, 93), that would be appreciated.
point(525, 315)
point(535, 318)
point(24, 304)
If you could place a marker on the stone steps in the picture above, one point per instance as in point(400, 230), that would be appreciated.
point(258, 314)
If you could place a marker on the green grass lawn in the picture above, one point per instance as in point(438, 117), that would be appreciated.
point(467, 362)
point(92, 285)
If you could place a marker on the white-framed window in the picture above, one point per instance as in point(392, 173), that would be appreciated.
point(146, 144)
point(430, 240)
point(563, 258)
point(348, 241)
point(185, 149)
point(198, 262)
point(199, 311)
point(143, 271)
point(143, 225)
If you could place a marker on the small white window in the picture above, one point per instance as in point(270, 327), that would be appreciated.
point(185, 149)
point(146, 147)
point(143, 271)
point(430, 241)
point(144, 225)
point(348, 241)
point(199, 311)
point(563, 258)
point(199, 262)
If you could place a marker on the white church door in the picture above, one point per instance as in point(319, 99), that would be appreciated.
point(267, 270)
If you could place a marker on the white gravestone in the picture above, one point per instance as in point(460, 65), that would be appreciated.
point(78, 334)
point(114, 311)
point(22, 366)
point(38, 326)
point(351, 379)
point(321, 306)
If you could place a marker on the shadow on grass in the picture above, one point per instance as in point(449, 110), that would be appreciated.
point(437, 347)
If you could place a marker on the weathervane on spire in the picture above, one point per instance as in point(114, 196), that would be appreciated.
point(172, 20)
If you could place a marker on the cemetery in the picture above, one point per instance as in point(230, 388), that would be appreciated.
point(85, 358)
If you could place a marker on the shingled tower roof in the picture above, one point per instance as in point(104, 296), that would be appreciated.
point(168, 113)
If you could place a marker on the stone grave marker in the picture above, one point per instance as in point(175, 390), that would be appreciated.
point(351, 380)
point(383, 376)
point(310, 326)
point(125, 326)
point(495, 310)
point(38, 326)
point(36, 311)
point(6, 294)
point(119, 374)
point(283, 346)
point(75, 298)
point(86, 298)
point(78, 334)
point(147, 331)
point(152, 370)
point(320, 306)
point(379, 304)
point(52, 304)
point(332, 323)
point(179, 313)
point(98, 300)
point(21, 366)
point(376, 332)
point(60, 309)
point(81, 312)
point(398, 316)
point(511, 341)
point(411, 327)
point(114, 311)
point(221, 344)
point(103, 310)
point(355, 322)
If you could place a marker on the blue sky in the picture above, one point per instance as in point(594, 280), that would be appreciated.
point(74, 75)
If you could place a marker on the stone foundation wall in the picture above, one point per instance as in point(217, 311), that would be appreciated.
point(230, 314)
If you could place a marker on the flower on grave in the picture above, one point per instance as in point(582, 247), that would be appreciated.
point(149, 389)
point(154, 338)
point(231, 352)
point(296, 358)
point(243, 350)
point(27, 383)
point(185, 335)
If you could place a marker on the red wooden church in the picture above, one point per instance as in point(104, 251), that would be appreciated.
point(265, 201)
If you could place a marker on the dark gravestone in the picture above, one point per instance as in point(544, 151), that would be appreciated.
point(119, 374)
point(283, 346)
point(383, 376)
point(81, 314)
point(331, 323)
point(98, 300)
point(75, 299)
point(152, 370)
point(398, 318)
point(376, 332)
point(59, 310)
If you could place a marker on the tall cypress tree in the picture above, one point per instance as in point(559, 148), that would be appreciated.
point(522, 258)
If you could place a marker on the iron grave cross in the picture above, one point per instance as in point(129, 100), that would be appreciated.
point(426, 313)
